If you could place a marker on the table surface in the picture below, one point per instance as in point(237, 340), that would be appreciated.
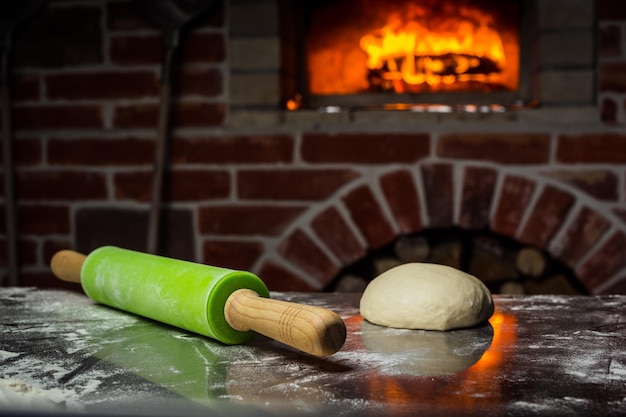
point(61, 353)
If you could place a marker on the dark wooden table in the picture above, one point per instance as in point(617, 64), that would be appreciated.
point(60, 353)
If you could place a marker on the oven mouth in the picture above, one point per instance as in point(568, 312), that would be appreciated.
point(503, 264)
point(316, 54)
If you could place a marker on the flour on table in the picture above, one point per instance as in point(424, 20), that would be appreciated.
point(7, 355)
point(18, 394)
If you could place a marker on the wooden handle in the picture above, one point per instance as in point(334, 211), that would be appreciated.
point(66, 265)
point(313, 330)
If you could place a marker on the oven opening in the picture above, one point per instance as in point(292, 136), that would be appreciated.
point(379, 52)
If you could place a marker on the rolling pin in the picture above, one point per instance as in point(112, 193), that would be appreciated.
point(227, 305)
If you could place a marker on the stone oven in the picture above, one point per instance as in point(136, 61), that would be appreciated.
point(409, 53)
point(314, 190)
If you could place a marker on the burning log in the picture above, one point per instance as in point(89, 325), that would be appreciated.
point(433, 70)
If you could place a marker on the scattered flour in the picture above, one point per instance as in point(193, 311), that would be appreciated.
point(67, 378)
point(617, 368)
point(6, 355)
point(18, 394)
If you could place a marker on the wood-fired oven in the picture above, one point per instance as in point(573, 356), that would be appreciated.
point(413, 52)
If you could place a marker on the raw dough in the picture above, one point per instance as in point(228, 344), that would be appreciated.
point(426, 296)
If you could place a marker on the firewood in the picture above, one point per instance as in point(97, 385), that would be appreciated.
point(530, 262)
point(447, 253)
point(383, 264)
point(350, 283)
point(412, 249)
point(512, 287)
point(490, 268)
point(557, 284)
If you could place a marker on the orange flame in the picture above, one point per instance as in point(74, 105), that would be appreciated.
point(410, 53)
point(413, 47)
point(504, 339)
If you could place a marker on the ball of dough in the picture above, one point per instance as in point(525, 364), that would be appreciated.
point(426, 296)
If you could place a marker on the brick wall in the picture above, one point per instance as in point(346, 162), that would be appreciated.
point(611, 61)
point(293, 196)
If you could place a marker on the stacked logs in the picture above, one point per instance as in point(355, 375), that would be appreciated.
point(504, 265)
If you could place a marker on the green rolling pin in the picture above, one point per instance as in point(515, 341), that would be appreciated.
point(224, 304)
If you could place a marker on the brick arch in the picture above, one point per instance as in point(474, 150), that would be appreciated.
point(369, 214)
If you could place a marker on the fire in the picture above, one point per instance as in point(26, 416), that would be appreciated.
point(413, 46)
point(407, 53)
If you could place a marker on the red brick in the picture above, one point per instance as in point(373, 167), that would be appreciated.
point(300, 250)
point(506, 148)
point(611, 77)
point(190, 185)
point(369, 217)
point(126, 16)
point(183, 114)
point(582, 233)
point(25, 87)
point(96, 151)
point(609, 41)
point(620, 212)
point(234, 149)
point(148, 49)
point(606, 261)
point(618, 287)
point(610, 10)
point(136, 116)
point(592, 148)
point(136, 49)
point(546, 217)
point(61, 185)
point(439, 194)
point(365, 148)
point(335, 233)
point(60, 37)
point(401, 194)
point(200, 47)
point(292, 184)
point(102, 85)
point(44, 220)
point(278, 278)
point(478, 189)
point(126, 226)
point(26, 252)
point(264, 220)
point(187, 185)
point(57, 117)
point(206, 82)
point(514, 198)
point(27, 152)
point(608, 110)
point(239, 255)
point(52, 246)
point(598, 183)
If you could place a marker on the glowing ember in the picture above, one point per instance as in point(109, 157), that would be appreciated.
point(413, 46)
point(405, 53)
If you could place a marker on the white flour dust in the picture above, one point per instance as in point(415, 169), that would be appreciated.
point(42, 352)
point(69, 377)
point(18, 394)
